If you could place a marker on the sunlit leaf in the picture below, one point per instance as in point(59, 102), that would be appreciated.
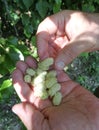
point(14, 17)
point(15, 54)
point(84, 54)
point(7, 83)
point(33, 40)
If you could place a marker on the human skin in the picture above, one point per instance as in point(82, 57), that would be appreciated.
point(79, 109)
point(67, 34)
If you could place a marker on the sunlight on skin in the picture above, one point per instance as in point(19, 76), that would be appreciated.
point(80, 111)
point(69, 33)
point(25, 92)
point(79, 108)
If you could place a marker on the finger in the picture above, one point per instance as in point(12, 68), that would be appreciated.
point(31, 62)
point(67, 87)
point(44, 32)
point(42, 104)
point(62, 76)
point(71, 51)
point(42, 44)
point(39, 103)
point(22, 66)
point(52, 52)
point(31, 117)
point(23, 90)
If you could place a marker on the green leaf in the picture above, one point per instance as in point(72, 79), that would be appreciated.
point(7, 93)
point(88, 7)
point(12, 40)
point(6, 84)
point(9, 64)
point(28, 30)
point(42, 8)
point(28, 3)
point(14, 17)
point(56, 7)
point(35, 54)
point(58, 1)
point(15, 54)
point(84, 54)
point(33, 40)
point(19, 4)
point(0, 96)
point(25, 19)
point(26, 51)
point(35, 20)
point(97, 1)
point(2, 58)
point(2, 41)
point(3, 69)
point(2, 49)
point(10, 57)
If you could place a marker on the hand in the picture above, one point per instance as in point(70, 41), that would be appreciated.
point(79, 109)
point(67, 34)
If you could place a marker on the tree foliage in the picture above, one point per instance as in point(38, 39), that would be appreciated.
point(19, 20)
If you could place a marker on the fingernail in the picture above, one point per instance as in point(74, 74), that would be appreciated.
point(60, 65)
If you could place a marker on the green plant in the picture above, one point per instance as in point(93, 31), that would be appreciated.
point(19, 20)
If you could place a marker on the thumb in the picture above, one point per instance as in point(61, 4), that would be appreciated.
point(30, 116)
point(71, 51)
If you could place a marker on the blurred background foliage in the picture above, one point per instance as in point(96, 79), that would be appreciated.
point(19, 20)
